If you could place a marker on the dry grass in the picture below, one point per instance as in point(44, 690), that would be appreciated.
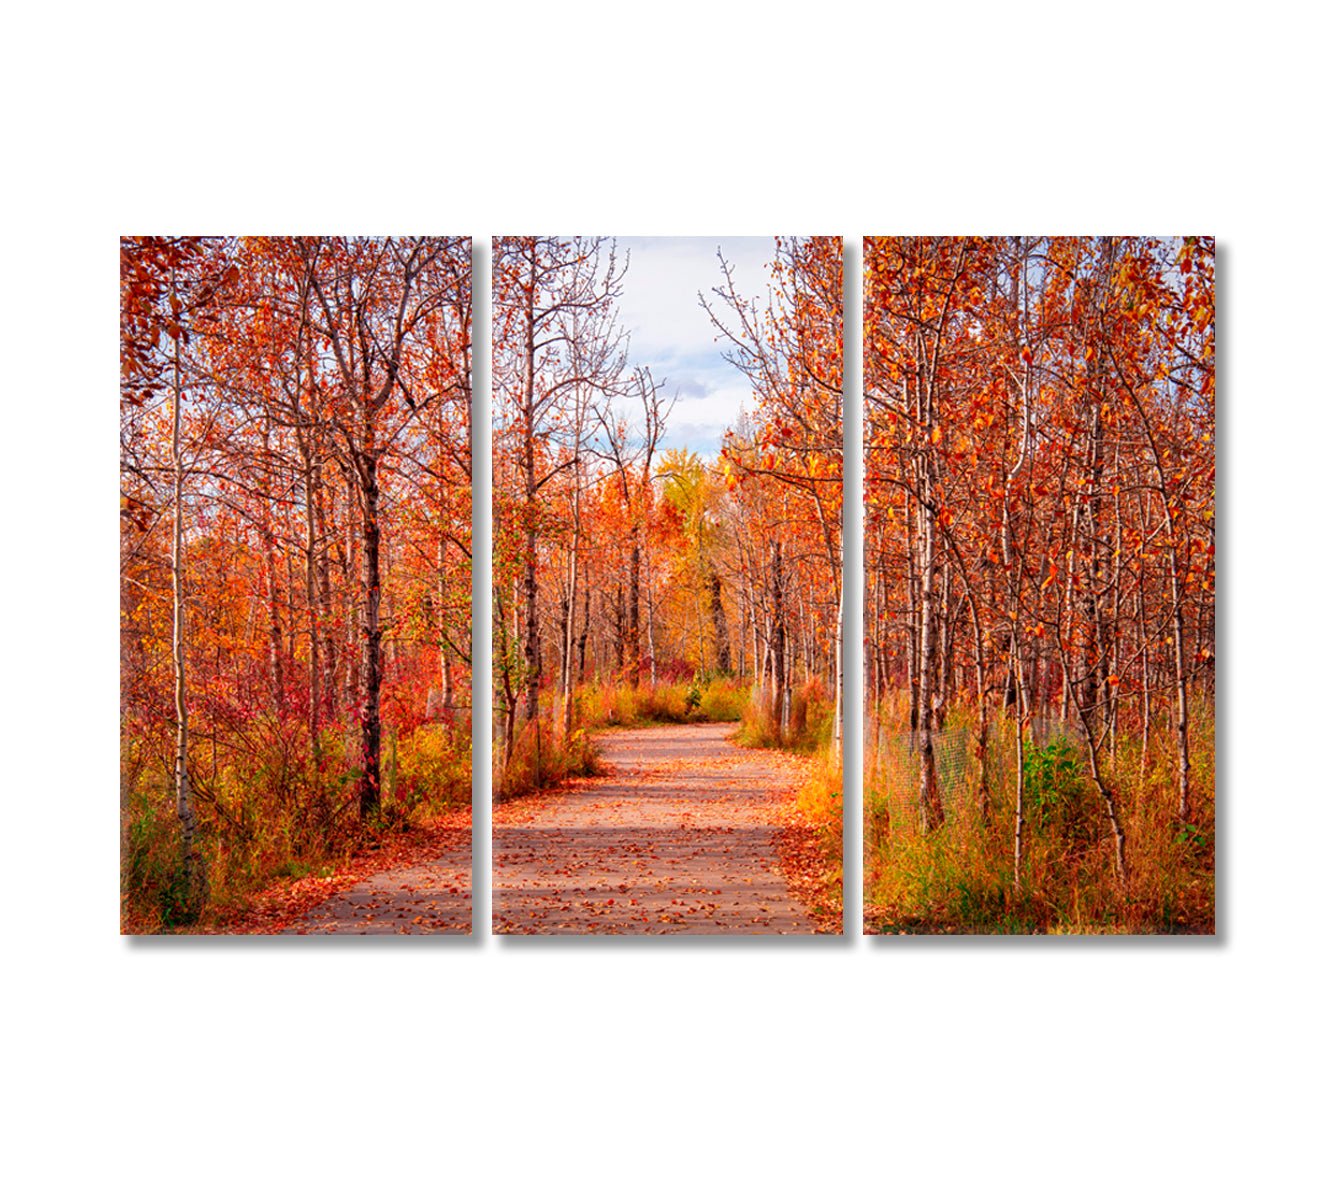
point(960, 878)
point(541, 760)
point(809, 726)
point(810, 845)
point(269, 809)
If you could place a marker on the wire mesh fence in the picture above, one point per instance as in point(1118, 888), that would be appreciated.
point(893, 764)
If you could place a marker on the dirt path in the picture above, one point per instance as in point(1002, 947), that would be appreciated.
point(676, 839)
point(434, 896)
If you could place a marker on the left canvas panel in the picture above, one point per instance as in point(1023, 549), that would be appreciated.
point(296, 594)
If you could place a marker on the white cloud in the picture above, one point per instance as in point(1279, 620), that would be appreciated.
point(672, 335)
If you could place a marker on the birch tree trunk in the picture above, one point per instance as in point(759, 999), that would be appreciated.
point(313, 676)
point(838, 678)
point(778, 644)
point(530, 646)
point(277, 684)
point(194, 875)
point(567, 648)
point(928, 793)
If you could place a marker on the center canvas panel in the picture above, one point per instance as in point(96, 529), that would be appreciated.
point(667, 585)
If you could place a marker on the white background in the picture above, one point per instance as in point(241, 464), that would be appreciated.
point(204, 1067)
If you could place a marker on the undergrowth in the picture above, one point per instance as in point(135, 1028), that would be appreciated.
point(540, 760)
point(701, 699)
point(543, 761)
point(821, 801)
point(960, 878)
point(810, 720)
point(270, 806)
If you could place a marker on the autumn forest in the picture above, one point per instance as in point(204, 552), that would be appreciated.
point(665, 575)
point(637, 582)
point(1040, 533)
point(625, 561)
point(296, 548)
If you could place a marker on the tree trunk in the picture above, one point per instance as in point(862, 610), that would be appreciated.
point(1182, 699)
point(277, 685)
point(930, 806)
point(583, 633)
point(194, 874)
point(313, 677)
point(531, 649)
point(648, 597)
point(634, 608)
point(368, 787)
point(446, 659)
point(722, 646)
point(329, 659)
point(838, 678)
point(1019, 817)
point(929, 802)
point(352, 579)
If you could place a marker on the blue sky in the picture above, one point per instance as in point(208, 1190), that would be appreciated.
point(672, 335)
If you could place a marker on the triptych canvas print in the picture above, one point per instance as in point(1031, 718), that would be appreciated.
point(660, 596)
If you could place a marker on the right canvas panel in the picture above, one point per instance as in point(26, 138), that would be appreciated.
point(1039, 605)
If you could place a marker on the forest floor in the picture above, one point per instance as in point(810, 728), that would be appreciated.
point(688, 833)
point(432, 896)
point(413, 882)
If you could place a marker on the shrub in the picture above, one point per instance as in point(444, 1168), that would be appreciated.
point(602, 704)
point(667, 704)
point(431, 766)
point(810, 720)
point(269, 805)
point(1058, 795)
point(671, 670)
point(154, 881)
point(701, 698)
point(539, 761)
point(723, 699)
point(961, 876)
point(821, 798)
